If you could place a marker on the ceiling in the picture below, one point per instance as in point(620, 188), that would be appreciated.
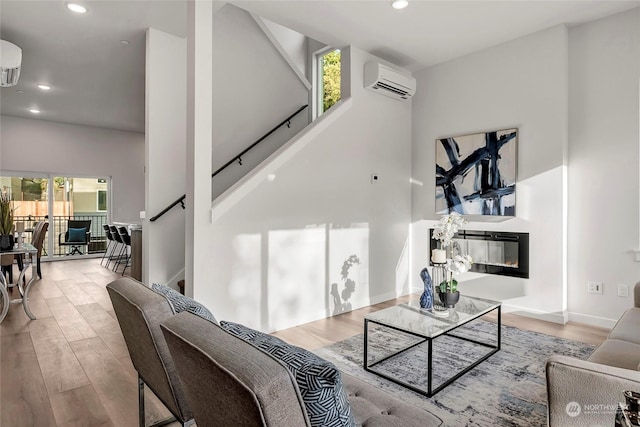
point(98, 81)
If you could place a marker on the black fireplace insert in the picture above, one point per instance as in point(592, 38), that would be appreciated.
point(493, 252)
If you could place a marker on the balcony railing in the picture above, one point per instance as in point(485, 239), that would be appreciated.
point(58, 225)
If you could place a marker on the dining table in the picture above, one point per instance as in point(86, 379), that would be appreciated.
point(23, 286)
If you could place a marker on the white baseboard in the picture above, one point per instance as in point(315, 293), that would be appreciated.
point(383, 297)
point(561, 318)
point(587, 319)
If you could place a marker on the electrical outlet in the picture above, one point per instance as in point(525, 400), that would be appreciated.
point(623, 290)
point(594, 287)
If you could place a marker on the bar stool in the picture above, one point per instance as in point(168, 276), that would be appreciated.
point(110, 244)
point(118, 241)
point(126, 239)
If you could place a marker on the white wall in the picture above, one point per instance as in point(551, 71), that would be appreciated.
point(165, 156)
point(70, 150)
point(279, 248)
point(294, 43)
point(523, 84)
point(255, 89)
point(603, 164)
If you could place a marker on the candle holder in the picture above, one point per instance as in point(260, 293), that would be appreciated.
point(20, 232)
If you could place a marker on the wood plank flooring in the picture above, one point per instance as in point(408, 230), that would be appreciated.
point(70, 367)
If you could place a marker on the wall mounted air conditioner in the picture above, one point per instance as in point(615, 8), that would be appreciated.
point(387, 81)
point(10, 61)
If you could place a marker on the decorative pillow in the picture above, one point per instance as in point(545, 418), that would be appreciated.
point(180, 303)
point(319, 381)
point(77, 235)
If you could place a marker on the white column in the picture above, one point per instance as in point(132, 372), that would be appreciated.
point(199, 136)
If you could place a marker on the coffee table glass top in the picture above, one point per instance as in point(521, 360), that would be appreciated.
point(411, 318)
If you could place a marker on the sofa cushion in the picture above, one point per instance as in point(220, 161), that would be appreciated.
point(613, 352)
point(628, 327)
point(318, 380)
point(373, 407)
point(180, 303)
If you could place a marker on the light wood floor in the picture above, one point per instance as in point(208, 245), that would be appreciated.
point(70, 367)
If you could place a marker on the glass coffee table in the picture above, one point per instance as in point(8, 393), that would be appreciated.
point(406, 329)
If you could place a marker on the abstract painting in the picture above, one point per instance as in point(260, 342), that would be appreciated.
point(476, 174)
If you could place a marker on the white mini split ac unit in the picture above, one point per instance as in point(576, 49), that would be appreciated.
point(10, 61)
point(387, 81)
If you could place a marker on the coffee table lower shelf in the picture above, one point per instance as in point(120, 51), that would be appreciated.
point(429, 391)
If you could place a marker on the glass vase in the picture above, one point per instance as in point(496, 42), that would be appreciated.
point(439, 275)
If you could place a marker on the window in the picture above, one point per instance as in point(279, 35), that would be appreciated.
point(58, 199)
point(328, 80)
point(102, 200)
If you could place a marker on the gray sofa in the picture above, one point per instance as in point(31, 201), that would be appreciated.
point(229, 382)
point(586, 392)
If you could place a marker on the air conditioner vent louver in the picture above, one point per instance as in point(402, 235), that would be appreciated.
point(380, 85)
point(387, 81)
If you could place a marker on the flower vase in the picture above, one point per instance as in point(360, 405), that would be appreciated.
point(426, 299)
point(6, 242)
point(449, 299)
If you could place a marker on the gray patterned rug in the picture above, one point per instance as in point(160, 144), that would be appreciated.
point(508, 389)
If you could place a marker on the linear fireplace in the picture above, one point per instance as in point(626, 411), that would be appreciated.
point(494, 252)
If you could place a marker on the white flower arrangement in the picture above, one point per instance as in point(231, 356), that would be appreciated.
point(456, 263)
point(459, 264)
point(447, 228)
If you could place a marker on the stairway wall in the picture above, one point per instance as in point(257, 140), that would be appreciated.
point(254, 89)
point(310, 236)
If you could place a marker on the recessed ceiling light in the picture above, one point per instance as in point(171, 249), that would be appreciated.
point(125, 42)
point(34, 110)
point(399, 4)
point(76, 7)
point(43, 86)
point(20, 91)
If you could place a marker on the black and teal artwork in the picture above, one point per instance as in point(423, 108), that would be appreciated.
point(476, 174)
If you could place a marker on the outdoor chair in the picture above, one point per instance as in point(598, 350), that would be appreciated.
point(78, 234)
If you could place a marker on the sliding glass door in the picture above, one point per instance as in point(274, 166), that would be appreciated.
point(64, 202)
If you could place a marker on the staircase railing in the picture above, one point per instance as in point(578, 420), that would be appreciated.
point(236, 158)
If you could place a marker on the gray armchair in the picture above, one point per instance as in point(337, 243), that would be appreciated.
point(228, 381)
point(139, 311)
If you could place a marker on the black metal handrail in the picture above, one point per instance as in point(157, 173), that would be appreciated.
point(237, 158)
point(168, 208)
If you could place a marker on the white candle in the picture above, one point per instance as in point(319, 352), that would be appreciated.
point(20, 227)
point(439, 256)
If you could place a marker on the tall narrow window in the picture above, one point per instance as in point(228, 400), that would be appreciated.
point(328, 80)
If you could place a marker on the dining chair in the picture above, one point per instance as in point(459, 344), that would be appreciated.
point(38, 241)
point(6, 261)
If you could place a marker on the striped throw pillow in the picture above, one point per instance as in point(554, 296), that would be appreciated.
point(318, 380)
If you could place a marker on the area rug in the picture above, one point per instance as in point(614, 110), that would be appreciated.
point(508, 389)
